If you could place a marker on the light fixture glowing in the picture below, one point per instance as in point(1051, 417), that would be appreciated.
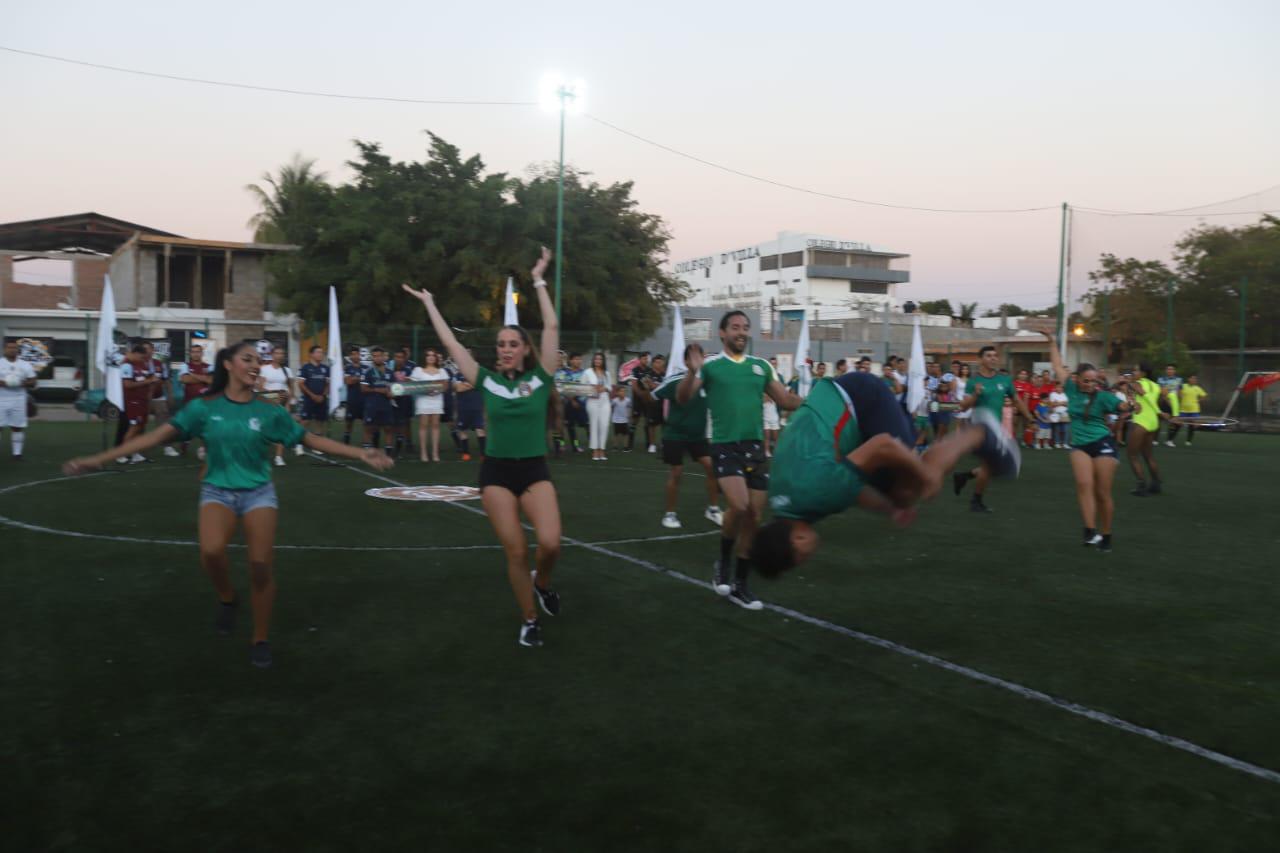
point(1078, 331)
point(555, 90)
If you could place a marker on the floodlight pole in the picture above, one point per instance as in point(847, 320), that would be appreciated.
point(1244, 298)
point(1106, 327)
point(561, 93)
point(1168, 322)
point(1062, 272)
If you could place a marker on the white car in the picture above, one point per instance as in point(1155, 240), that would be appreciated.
point(59, 378)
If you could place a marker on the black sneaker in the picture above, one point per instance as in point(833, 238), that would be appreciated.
point(742, 597)
point(1154, 488)
point(959, 481)
point(531, 633)
point(1105, 545)
point(260, 656)
point(999, 451)
point(977, 505)
point(1140, 491)
point(224, 621)
point(548, 599)
point(720, 580)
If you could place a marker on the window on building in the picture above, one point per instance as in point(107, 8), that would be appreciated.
point(706, 272)
point(868, 287)
point(793, 259)
point(768, 262)
point(829, 259)
point(739, 268)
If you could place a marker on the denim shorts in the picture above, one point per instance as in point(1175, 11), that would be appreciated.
point(240, 501)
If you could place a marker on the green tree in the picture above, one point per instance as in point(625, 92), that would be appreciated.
point(1137, 293)
point(968, 310)
point(937, 306)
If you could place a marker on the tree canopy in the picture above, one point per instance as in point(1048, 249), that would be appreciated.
point(447, 225)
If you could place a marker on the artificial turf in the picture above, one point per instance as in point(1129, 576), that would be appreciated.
point(401, 713)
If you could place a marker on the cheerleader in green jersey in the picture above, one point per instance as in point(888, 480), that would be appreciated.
point(1093, 451)
point(850, 444)
point(514, 477)
point(237, 429)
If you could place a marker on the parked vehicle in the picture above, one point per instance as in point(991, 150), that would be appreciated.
point(95, 402)
point(59, 379)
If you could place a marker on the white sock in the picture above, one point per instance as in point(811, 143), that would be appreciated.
point(18, 438)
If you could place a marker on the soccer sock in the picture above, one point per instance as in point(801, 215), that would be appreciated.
point(481, 441)
point(399, 444)
point(743, 569)
point(377, 434)
point(18, 439)
point(464, 444)
point(726, 551)
point(346, 437)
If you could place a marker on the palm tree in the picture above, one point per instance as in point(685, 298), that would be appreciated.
point(967, 311)
point(281, 198)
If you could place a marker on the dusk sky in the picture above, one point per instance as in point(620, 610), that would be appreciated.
point(1137, 106)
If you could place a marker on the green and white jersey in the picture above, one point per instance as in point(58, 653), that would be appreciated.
point(735, 396)
point(811, 476)
point(515, 412)
point(1089, 413)
point(687, 422)
point(237, 437)
point(991, 391)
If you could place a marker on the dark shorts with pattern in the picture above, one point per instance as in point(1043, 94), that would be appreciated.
point(514, 475)
point(401, 410)
point(1103, 447)
point(469, 417)
point(742, 459)
point(313, 411)
point(674, 449)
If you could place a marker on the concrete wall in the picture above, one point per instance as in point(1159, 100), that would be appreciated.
point(123, 270)
point(87, 283)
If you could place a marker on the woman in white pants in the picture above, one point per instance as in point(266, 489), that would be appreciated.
point(598, 405)
point(429, 407)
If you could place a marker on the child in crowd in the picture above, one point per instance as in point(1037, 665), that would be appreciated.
point(621, 418)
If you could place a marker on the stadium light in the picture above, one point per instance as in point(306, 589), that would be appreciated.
point(1078, 331)
point(556, 94)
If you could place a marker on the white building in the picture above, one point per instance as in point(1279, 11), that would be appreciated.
point(840, 279)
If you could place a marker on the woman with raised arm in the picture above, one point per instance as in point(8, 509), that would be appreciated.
point(514, 477)
point(237, 429)
point(1093, 451)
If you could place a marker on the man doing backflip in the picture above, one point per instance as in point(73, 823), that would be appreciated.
point(736, 384)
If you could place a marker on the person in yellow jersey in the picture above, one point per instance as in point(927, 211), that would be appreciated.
point(1143, 430)
point(1189, 397)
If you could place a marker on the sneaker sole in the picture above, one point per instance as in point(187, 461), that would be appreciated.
point(754, 605)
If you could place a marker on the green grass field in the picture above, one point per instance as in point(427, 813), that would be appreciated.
point(401, 714)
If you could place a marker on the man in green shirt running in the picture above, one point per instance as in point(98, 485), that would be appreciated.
point(735, 384)
point(850, 443)
point(686, 432)
point(987, 390)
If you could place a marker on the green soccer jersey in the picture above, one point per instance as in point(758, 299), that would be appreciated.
point(993, 391)
point(515, 412)
point(1089, 413)
point(735, 396)
point(687, 422)
point(237, 437)
point(812, 476)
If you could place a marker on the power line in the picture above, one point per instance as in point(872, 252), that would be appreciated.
point(276, 89)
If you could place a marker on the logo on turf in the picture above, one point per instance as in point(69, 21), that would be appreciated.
point(425, 493)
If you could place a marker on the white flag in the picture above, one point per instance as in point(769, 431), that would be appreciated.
point(336, 377)
point(675, 359)
point(106, 356)
point(803, 369)
point(509, 316)
point(915, 371)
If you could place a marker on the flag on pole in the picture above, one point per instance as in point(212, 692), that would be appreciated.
point(106, 356)
point(675, 360)
point(509, 316)
point(915, 371)
point(336, 376)
point(803, 369)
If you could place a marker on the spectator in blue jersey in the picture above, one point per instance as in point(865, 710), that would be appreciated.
point(313, 382)
point(375, 385)
point(468, 413)
point(352, 373)
point(575, 408)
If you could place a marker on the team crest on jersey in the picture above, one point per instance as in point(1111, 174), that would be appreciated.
point(425, 493)
point(780, 501)
point(524, 390)
point(757, 370)
point(255, 424)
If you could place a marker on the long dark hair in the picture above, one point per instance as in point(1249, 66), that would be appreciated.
point(531, 357)
point(1081, 370)
point(221, 376)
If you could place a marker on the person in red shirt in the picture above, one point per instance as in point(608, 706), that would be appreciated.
point(139, 385)
point(1025, 390)
point(196, 377)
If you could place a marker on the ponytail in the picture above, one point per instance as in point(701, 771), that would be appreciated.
point(221, 376)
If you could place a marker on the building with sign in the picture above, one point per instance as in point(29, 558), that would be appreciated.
point(837, 278)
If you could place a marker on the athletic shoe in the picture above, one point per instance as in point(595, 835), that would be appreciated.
point(170, 450)
point(122, 460)
point(1155, 488)
point(466, 457)
point(279, 461)
point(1140, 491)
point(997, 450)
point(530, 633)
point(548, 599)
point(653, 449)
point(720, 580)
point(714, 515)
point(1105, 545)
point(136, 458)
point(1170, 444)
point(200, 453)
point(1096, 539)
point(742, 597)
point(297, 450)
point(960, 480)
point(976, 505)
point(670, 520)
point(224, 622)
point(260, 656)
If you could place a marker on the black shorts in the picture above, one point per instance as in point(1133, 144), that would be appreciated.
point(653, 413)
point(1103, 447)
point(467, 418)
point(514, 475)
point(742, 459)
point(401, 410)
point(313, 411)
point(575, 414)
point(674, 449)
point(621, 429)
point(355, 409)
point(378, 413)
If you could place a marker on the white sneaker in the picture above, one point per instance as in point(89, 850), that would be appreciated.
point(200, 453)
point(136, 458)
point(670, 520)
point(653, 449)
point(122, 460)
point(279, 461)
point(170, 450)
point(714, 515)
point(297, 450)
point(1170, 444)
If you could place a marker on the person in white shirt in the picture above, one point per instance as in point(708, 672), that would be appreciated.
point(597, 406)
point(274, 378)
point(16, 376)
point(621, 417)
point(429, 406)
point(964, 375)
point(1058, 417)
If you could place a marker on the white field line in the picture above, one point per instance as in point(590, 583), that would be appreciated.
point(933, 660)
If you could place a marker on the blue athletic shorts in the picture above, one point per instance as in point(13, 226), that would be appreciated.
point(240, 501)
